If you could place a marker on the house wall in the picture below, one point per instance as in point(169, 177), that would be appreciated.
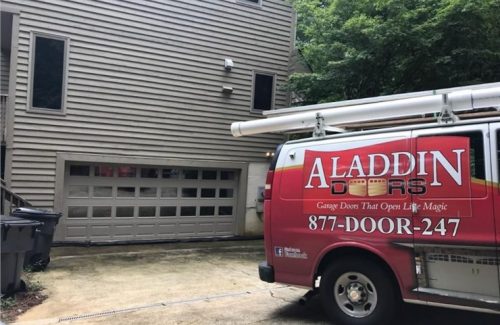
point(4, 72)
point(145, 79)
point(256, 179)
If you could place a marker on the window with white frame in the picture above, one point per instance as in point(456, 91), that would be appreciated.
point(48, 72)
point(263, 91)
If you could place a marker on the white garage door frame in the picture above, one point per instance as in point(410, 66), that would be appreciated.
point(63, 160)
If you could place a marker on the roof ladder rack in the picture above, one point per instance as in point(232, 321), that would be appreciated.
point(447, 116)
point(320, 128)
point(444, 106)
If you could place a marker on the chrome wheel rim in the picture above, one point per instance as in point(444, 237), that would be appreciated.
point(355, 294)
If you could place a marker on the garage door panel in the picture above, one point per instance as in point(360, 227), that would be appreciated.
point(167, 229)
point(76, 232)
point(186, 229)
point(225, 228)
point(205, 228)
point(100, 230)
point(103, 211)
point(146, 230)
point(77, 211)
point(167, 210)
point(125, 202)
point(124, 231)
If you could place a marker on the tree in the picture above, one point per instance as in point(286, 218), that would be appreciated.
point(363, 48)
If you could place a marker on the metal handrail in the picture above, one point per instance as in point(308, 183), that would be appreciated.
point(10, 200)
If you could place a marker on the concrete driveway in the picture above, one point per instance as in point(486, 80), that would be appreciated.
point(190, 283)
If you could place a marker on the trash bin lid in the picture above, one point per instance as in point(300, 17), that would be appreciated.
point(34, 213)
point(18, 222)
point(29, 210)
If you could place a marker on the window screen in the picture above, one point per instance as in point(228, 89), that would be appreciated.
point(263, 92)
point(48, 73)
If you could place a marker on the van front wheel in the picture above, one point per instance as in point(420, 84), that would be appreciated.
point(357, 291)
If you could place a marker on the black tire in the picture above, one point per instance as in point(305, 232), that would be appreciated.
point(373, 300)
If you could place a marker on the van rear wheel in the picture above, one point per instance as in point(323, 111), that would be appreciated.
point(358, 291)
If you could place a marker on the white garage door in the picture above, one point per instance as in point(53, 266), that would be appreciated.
point(126, 202)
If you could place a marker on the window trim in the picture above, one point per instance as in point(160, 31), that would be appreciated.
point(31, 72)
point(273, 97)
point(250, 3)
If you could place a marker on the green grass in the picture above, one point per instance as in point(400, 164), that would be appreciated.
point(21, 301)
point(8, 303)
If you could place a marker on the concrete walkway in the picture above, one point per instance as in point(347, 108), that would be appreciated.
point(189, 283)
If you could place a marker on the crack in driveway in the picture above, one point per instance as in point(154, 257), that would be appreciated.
point(271, 293)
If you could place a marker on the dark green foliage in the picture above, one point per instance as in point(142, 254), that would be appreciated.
point(364, 48)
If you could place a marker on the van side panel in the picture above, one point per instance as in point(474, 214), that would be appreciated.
point(310, 215)
point(457, 243)
point(420, 201)
point(495, 184)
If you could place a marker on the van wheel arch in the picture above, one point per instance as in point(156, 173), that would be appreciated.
point(343, 252)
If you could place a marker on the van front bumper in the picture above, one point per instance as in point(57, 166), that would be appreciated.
point(266, 272)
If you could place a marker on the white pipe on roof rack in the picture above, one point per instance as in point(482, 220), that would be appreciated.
point(462, 100)
point(369, 100)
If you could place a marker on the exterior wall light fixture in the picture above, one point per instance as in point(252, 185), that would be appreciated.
point(228, 64)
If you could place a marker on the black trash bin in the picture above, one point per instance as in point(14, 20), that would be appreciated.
point(17, 237)
point(38, 258)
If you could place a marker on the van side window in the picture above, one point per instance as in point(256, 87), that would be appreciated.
point(477, 168)
point(476, 149)
point(498, 156)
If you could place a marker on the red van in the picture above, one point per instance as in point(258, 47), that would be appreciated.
point(368, 219)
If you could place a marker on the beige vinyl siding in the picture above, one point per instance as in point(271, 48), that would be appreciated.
point(35, 175)
point(145, 79)
point(4, 91)
point(4, 72)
